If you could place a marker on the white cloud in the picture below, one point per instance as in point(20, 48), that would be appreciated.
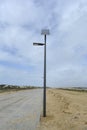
point(18, 12)
point(20, 26)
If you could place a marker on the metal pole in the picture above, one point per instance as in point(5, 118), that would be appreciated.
point(44, 98)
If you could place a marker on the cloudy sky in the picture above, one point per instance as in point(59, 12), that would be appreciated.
point(21, 22)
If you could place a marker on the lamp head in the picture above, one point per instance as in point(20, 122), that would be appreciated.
point(38, 44)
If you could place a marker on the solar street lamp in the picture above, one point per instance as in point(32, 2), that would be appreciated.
point(44, 32)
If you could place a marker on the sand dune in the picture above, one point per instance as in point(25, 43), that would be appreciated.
point(66, 110)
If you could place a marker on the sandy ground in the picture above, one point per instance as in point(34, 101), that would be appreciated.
point(66, 110)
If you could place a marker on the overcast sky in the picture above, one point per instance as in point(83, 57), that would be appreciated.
point(21, 22)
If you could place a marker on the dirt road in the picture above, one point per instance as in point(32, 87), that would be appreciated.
point(20, 110)
point(66, 110)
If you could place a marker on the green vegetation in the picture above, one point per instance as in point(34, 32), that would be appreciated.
point(8, 88)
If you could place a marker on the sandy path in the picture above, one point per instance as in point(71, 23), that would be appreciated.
point(66, 110)
point(20, 110)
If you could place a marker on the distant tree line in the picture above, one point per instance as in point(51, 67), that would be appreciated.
point(5, 87)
